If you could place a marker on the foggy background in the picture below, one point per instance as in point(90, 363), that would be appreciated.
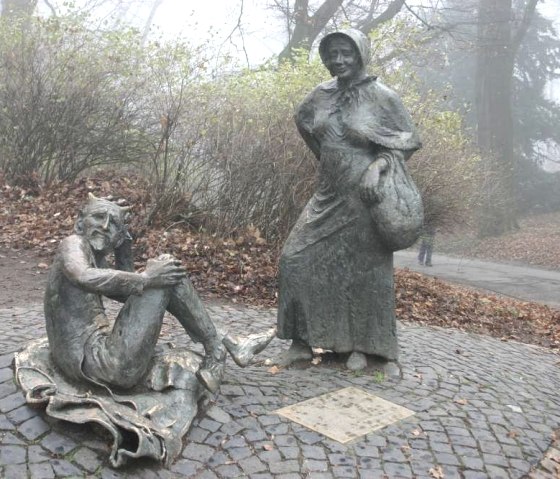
point(481, 79)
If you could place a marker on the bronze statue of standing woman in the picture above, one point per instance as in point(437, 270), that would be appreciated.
point(336, 269)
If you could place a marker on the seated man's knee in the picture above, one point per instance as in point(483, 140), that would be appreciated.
point(115, 369)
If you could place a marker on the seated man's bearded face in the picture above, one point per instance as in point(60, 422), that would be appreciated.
point(103, 225)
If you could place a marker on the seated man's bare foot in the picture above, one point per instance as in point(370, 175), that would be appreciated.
point(299, 351)
point(242, 350)
point(211, 376)
point(211, 371)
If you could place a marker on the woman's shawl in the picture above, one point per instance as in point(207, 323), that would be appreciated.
point(370, 111)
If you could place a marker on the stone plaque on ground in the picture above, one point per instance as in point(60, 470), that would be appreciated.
point(345, 414)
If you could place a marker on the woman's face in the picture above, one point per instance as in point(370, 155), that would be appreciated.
point(342, 59)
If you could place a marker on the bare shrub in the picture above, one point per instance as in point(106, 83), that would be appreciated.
point(67, 98)
point(447, 170)
point(75, 99)
point(175, 116)
point(266, 173)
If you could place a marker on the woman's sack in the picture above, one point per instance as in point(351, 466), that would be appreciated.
point(398, 216)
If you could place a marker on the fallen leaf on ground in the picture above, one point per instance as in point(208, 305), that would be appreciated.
point(437, 472)
point(243, 269)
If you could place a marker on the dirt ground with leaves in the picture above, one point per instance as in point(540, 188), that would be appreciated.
point(535, 243)
point(243, 269)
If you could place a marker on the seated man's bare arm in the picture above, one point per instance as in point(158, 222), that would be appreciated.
point(105, 281)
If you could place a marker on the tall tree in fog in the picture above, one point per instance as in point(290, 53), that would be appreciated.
point(536, 115)
point(451, 61)
point(494, 71)
point(306, 20)
point(498, 41)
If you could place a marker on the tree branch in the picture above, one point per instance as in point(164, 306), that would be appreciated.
point(51, 8)
point(421, 20)
point(238, 27)
point(518, 35)
point(392, 9)
point(398, 51)
point(306, 27)
point(149, 21)
point(324, 13)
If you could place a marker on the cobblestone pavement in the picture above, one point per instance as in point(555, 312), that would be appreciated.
point(484, 409)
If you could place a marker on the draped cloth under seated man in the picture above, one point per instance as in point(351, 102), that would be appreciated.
point(149, 420)
point(109, 359)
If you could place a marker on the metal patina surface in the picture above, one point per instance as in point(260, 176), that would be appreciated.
point(336, 270)
point(109, 369)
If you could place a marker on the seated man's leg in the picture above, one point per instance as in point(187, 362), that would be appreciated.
point(187, 307)
point(122, 356)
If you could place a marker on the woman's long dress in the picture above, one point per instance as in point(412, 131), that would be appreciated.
point(336, 277)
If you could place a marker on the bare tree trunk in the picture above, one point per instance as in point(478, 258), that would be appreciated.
point(497, 46)
point(495, 60)
point(307, 27)
point(371, 22)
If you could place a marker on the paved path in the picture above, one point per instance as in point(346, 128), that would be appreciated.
point(483, 409)
point(529, 284)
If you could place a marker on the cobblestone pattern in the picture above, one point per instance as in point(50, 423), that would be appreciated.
point(484, 409)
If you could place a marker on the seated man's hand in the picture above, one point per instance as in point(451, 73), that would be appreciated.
point(163, 271)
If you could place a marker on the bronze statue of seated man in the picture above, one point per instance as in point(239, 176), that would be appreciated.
point(84, 344)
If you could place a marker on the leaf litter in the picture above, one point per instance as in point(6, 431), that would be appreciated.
point(243, 269)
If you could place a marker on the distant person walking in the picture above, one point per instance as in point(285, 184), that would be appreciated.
point(426, 245)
